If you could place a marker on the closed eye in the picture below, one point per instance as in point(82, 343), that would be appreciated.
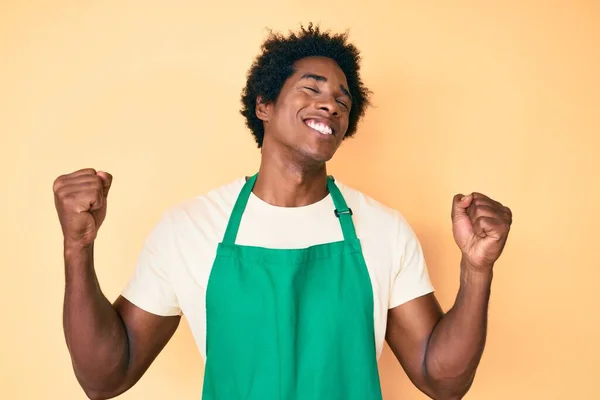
point(311, 89)
point(343, 104)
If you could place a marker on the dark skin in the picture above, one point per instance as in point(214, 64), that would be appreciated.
point(292, 171)
point(112, 345)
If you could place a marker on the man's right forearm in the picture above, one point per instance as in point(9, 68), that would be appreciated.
point(94, 332)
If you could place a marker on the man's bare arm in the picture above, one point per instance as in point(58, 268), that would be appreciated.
point(441, 353)
point(111, 346)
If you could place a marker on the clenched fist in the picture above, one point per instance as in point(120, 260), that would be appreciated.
point(480, 226)
point(80, 200)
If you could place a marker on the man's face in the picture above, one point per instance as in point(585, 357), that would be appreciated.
point(310, 117)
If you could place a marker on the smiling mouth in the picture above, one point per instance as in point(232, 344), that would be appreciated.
point(320, 127)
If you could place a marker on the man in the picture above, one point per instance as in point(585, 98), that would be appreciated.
point(291, 281)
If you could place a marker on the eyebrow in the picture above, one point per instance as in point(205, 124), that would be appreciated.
point(320, 78)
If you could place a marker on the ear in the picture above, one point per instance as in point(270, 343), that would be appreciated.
point(263, 109)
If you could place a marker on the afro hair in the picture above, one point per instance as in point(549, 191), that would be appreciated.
point(275, 64)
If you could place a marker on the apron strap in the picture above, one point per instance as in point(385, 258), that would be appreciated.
point(342, 211)
point(238, 210)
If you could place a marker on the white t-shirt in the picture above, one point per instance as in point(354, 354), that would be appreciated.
point(174, 265)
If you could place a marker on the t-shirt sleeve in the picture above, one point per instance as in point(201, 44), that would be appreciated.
point(411, 278)
point(150, 288)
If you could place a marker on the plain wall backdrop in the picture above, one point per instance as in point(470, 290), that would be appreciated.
point(500, 97)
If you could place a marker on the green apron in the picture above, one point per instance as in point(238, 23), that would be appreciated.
point(291, 324)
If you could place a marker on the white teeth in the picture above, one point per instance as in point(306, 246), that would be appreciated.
point(322, 128)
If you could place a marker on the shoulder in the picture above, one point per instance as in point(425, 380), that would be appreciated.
point(378, 221)
point(209, 209)
point(365, 206)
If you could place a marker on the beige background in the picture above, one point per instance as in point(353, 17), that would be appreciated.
point(492, 96)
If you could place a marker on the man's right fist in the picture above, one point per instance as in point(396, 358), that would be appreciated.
point(80, 200)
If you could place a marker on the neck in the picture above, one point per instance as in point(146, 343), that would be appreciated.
point(287, 184)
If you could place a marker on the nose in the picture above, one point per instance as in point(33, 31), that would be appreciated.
point(328, 104)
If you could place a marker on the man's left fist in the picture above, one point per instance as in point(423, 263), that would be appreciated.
point(480, 226)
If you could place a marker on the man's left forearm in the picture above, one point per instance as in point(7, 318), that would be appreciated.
point(457, 342)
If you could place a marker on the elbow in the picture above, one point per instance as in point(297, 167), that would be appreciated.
point(447, 392)
point(450, 391)
point(105, 393)
point(94, 394)
point(450, 397)
point(101, 388)
point(450, 386)
point(455, 395)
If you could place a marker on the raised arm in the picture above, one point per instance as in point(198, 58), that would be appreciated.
point(111, 345)
point(441, 352)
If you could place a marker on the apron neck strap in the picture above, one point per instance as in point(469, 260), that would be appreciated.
point(238, 210)
point(342, 211)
